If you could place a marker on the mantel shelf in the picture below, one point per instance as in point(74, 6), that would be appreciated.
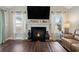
point(39, 23)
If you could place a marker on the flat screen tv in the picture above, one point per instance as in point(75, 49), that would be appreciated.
point(38, 12)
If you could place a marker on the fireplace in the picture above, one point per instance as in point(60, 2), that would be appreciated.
point(38, 33)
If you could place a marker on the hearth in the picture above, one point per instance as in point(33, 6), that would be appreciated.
point(38, 33)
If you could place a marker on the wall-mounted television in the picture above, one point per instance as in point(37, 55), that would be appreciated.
point(38, 12)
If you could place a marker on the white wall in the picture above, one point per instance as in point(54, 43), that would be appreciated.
point(74, 19)
point(61, 11)
point(12, 12)
point(28, 24)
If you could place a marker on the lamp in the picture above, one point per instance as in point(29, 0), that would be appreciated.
point(66, 27)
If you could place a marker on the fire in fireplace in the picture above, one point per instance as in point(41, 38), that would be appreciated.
point(38, 33)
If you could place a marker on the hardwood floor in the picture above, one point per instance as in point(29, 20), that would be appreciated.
point(56, 47)
point(28, 46)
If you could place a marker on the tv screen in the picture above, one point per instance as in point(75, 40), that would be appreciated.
point(38, 12)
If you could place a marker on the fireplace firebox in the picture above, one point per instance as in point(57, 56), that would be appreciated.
point(38, 33)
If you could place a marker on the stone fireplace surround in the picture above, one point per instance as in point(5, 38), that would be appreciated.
point(39, 24)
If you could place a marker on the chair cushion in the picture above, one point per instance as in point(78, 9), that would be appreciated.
point(69, 36)
point(75, 47)
point(71, 41)
point(77, 37)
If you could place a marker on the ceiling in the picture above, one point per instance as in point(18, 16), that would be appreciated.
point(52, 8)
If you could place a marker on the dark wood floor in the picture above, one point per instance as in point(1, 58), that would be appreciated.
point(27, 46)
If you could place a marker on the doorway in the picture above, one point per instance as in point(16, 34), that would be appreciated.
point(19, 25)
point(57, 25)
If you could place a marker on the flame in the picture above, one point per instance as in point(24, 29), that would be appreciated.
point(38, 34)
